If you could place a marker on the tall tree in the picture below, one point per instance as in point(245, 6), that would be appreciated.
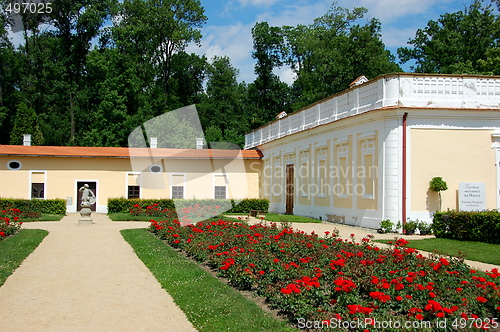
point(156, 31)
point(268, 93)
point(329, 54)
point(26, 122)
point(223, 106)
point(325, 56)
point(456, 43)
point(77, 24)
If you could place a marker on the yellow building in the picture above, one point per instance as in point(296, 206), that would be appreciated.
point(47, 172)
point(368, 153)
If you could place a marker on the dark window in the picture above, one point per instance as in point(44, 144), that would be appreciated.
point(134, 191)
point(220, 192)
point(37, 190)
point(14, 165)
point(155, 168)
point(177, 192)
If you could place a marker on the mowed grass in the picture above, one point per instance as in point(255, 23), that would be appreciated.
point(209, 304)
point(130, 217)
point(274, 217)
point(475, 251)
point(45, 217)
point(14, 249)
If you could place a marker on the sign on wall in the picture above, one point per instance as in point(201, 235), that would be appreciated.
point(471, 196)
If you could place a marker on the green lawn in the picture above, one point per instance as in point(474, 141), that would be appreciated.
point(14, 249)
point(475, 251)
point(45, 217)
point(129, 217)
point(274, 217)
point(209, 304)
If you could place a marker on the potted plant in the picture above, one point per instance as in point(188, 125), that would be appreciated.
point(386, 226)
point(424, 227)
point(409, 227)
point(437, 184)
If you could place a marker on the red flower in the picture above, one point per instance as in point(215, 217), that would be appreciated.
point(481, 299)
point(419, 317)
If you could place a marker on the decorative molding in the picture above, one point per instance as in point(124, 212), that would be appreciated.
point(369, 135)
point(342, 140)
point(321, 144)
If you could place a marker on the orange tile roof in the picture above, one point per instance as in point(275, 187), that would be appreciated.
point(114, 152)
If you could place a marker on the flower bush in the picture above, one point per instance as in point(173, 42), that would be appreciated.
point(324, 278)
point(153, 210)
point(186, 215)
point(10, 222)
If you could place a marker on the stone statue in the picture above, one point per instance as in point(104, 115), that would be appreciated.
point(88, 197)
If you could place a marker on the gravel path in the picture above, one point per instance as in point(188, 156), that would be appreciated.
point(86, 278)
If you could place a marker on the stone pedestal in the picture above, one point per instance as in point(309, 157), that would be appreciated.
point(85, 218)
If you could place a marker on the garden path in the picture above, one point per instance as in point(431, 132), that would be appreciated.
point(345, 232)
point(86, 278)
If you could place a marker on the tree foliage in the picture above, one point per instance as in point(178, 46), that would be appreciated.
point(103, 68)
point(465, 42)
point(26, 122)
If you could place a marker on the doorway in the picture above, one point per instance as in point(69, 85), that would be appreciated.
point(93, 187)
point(289, 189)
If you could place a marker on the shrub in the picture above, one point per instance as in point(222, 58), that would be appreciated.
point(386, 226)
point(437, 184)
point(483, 226)
point(123, 205)
point(51, 206)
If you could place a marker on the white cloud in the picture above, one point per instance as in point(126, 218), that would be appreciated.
point(396, 37)
point(286, 75)
point(258, 3)
point(233, 41)
point(389, 10)
point(293, 14)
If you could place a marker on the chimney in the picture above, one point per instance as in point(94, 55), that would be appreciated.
point(27, 139)
point(153, 142)
point(199, 143)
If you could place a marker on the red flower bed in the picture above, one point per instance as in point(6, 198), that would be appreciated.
point(9, 222)
point(320, 279)
point(185, 215)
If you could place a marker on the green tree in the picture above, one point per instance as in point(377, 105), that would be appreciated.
point(329, 54)
point(325, 56)
point(25, 122)
point(155, 31)
point(77, 23)
point(457, 43)
point(268, 94)
point(224, 105)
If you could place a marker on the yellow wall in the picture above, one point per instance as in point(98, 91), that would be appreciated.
point(367, 173)
point(344, 178)
point(456, 156)
point(111, 175)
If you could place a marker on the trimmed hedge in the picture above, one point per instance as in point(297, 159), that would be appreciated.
point(482, 226)
point(123, 205)
point(50, 206)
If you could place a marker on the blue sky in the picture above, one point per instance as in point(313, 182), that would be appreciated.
point(228, 29)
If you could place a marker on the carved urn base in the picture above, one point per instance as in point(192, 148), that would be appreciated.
point(85, 218)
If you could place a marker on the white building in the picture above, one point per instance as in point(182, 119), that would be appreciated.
point(369, 153)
